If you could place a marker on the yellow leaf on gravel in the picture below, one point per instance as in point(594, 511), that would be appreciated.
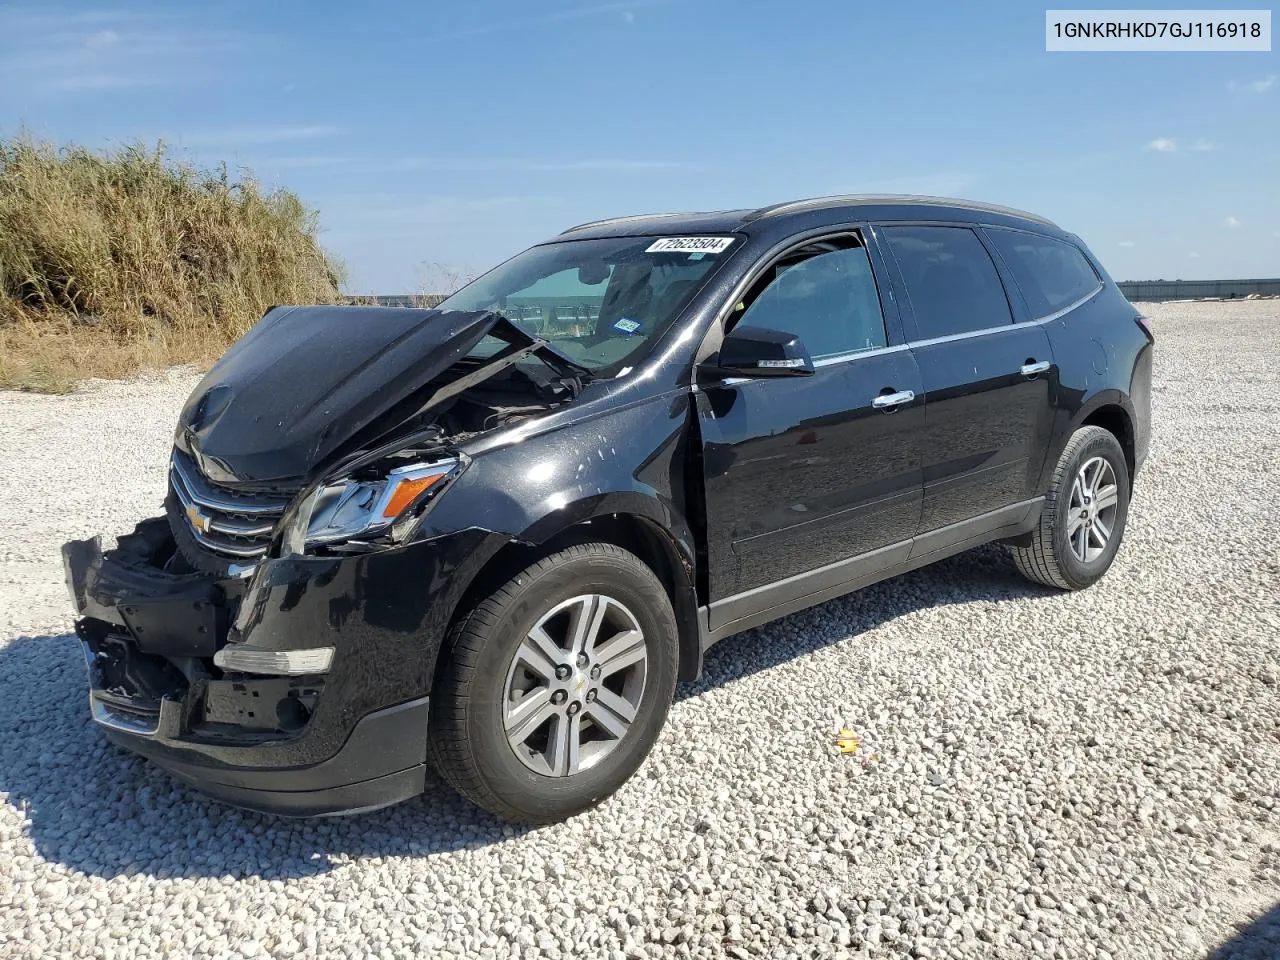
point(847, 741)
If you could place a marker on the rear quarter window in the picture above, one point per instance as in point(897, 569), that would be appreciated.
point(1053, 274)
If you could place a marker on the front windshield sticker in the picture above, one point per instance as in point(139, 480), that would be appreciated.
point(689, 245)
point(626, 325)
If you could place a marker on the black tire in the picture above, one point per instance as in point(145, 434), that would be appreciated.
point(466, 737)
point(1049, 558)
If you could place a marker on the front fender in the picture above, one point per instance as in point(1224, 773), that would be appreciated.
point(631, 460)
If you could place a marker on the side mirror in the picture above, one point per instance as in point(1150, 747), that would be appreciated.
point(759, 352)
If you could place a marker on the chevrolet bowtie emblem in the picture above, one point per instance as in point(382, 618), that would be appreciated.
point(197, 519)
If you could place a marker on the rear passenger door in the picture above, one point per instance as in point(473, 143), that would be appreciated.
point(989, 383)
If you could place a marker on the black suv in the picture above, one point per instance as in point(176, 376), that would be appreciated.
point(490, 537)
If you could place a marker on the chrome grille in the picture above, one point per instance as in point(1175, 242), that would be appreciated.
point(225, 521)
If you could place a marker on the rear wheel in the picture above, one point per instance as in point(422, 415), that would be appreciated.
point(1084, 515)
point(556, 685)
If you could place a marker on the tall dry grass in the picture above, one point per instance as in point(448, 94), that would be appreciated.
point(114, 262)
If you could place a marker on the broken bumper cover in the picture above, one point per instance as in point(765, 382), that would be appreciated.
point(351, 740)
point(382, 762)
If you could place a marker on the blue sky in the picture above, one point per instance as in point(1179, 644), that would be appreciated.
point(438, 138)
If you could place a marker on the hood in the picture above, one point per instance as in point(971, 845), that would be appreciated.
point(305, 380)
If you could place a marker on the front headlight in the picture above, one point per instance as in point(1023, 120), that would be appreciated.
point(349, 509)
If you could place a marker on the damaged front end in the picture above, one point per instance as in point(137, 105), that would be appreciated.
point(212, 634)
point(151, 638)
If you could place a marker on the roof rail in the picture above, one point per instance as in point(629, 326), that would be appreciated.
point(608, 220)
point(852, 199)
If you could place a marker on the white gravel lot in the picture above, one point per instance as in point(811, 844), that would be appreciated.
point(1084, 775)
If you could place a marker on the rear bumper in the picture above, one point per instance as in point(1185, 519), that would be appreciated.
point(1140, 396)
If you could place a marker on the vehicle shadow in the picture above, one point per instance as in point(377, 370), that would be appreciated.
point(985, 573)
point(99, 809)
point(1257, 940)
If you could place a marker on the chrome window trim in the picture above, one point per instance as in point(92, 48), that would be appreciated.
point(1071, 306)
point(894, 348)
point(859, 354)
point(742, 285)
point(1007, 326)
point(969, 334)
point(826, 362)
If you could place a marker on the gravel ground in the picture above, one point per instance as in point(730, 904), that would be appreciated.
point(1086, 775)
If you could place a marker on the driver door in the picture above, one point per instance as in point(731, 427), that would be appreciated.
point(811, 483)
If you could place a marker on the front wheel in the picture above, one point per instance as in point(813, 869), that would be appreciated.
point(1084, 514)
point(556, 685)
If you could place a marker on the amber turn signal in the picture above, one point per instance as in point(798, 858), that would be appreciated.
point(407, 491)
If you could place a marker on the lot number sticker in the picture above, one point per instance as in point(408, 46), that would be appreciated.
point(689, 245)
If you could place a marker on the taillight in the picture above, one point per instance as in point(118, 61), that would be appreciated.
point(1145, 324)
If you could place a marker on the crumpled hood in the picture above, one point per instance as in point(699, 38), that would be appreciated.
point(304, 380)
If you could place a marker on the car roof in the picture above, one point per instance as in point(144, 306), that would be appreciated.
point(814, 212)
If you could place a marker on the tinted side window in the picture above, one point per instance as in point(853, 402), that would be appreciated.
point(952, 283)
point(1051, 273)
point(824, 293)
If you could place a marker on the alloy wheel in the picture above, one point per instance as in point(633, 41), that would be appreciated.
point(574, 685)
point(1091, 512)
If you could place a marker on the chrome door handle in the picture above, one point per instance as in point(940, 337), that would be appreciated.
point(1031, 369)
point(888, 401)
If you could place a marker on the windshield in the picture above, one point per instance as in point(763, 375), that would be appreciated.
point(599, 302)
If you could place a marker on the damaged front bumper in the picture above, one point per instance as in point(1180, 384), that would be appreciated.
point(350, 739)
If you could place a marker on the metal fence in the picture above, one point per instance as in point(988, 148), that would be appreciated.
point(1145, 291)
point(1149, 291)
point(407, 299)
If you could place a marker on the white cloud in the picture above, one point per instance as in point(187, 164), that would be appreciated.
point(1125, 243)
point(35, 18)
point(628, 17)
point(1255, 86)
point(59, 53)
point(1174, 145)
point(1232, 222)
point(1193, 255)
point(103, 38)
